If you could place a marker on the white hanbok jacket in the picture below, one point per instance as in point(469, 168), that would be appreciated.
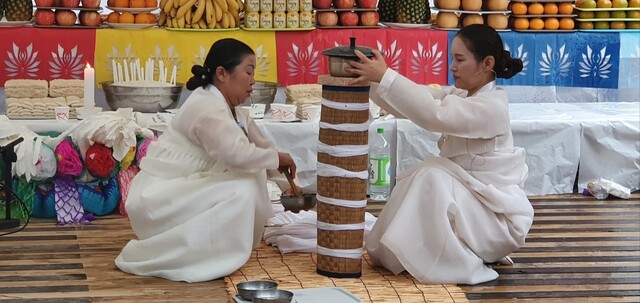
point(449, 215)
point(200, 202)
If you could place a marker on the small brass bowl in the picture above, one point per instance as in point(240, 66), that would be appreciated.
point(279, 296)
point(247, 289)
point(296, 204)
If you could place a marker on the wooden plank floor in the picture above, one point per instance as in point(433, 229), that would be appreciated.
point(579, 249)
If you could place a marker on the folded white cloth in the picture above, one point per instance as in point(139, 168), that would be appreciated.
point(292, 232)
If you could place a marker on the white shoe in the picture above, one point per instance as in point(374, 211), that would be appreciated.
point(505, 261)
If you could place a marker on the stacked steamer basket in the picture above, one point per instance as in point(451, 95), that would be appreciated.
point(342, 169)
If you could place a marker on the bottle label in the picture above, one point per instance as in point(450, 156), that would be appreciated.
point(379, 171)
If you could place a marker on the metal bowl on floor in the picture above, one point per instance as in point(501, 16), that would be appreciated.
point(262, 93)
point(279, 296)
point(247, 289)
point(296, 204)
point(142, 99)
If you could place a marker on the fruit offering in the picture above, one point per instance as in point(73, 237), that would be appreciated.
point(353, 13)
point(132, 11)
point(67, 13)
point(542, 16)
point(200, 14)
point(453, 14)
point(608, 14)
point(16, 10)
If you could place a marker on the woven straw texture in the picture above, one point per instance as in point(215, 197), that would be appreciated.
point(333, 214)
point(355, 163)
point(337, 116)
point(342, 188)
point(377, 285)
point(336, 137)
point(340, 239)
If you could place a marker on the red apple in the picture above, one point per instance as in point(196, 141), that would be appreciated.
point(327, 18)
point(90, 18)
point(46, 3)
point(70, 3)
point(367, 3)
point(344, 3)
point(91, 3)
point(44, 17)
point(66, 17)
point(349, 19)
point(322, 4)
point(369, 18)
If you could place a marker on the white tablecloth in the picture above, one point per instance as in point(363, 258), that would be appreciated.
point(602, 138)
point(564, 142)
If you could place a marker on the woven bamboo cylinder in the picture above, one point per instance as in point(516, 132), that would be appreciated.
point(339, 246)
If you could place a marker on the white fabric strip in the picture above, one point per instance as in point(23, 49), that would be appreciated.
point(345, 106)
point(329, 226)
point(341, 253)
point(343, 203)
point(343, 150)
point(327, 170)
point(347, 127)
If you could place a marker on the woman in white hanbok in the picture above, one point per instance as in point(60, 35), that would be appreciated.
point(199, 203)
point(450, 215)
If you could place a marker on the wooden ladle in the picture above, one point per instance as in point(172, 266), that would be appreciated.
point(294, 188)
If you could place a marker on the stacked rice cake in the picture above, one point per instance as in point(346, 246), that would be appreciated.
point(34, 99)
point(303, 95)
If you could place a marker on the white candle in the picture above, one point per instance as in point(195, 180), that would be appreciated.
point(126, 71)
point(160, 70)
point(153, 69)
point(164, 76)
point(173, 75)
point(139, 69)
point(89, 86)
point(120, 77)
point(113, 71)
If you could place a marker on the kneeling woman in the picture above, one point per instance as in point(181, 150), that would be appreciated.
point(200, 202)
point(449, 215)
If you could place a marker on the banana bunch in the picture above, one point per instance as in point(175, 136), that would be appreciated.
point(200, 14)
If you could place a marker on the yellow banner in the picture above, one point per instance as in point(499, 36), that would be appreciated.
point(182, 49)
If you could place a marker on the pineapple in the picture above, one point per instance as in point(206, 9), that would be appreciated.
point(388, 9)
point(2, 5)
point(413, 11)
point(19, 10)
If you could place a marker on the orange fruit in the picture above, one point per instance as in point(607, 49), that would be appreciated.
point(550, 8)
point(151, 3)
point(521, 23)
point(551, 24)
point(567, 23)
point(145, 18)
point(535, 9)
point(534, 23)
point(565, 8)
point(127, 17)
point(586, 25)
point(519, 8)
point(136, 3)
point(113, 17)
point(120, 3)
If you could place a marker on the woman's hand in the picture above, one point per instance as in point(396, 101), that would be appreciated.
point(286, 162)
point(368, 70)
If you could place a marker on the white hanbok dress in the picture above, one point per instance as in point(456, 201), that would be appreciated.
point(199, 204)
point(449, 215)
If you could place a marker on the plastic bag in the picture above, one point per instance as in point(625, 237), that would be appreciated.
point(602, 188)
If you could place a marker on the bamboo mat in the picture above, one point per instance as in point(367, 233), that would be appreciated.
point(298, 270)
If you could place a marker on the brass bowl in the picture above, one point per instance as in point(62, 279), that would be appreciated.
point(296, 204)
point(247, 289)
point(142, 99)
point(279, 296)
